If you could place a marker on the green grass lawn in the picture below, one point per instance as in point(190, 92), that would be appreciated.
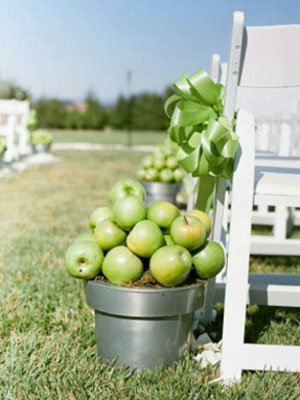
point(47, 340)
point(108, 136)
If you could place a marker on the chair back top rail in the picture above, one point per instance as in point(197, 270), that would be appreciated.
point(258, 72)
point(14, 106)
point(270, 57)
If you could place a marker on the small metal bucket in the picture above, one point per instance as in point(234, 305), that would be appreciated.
point(41, 148)
point(159, 191)
point(140, 327)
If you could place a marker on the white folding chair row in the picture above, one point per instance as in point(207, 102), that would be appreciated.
point(260, 57)
point(275, 135)
point(13, 120)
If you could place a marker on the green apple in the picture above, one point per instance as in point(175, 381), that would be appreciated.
point(163, 213)
point(108, 235)
point(159, 152)
point(209, 260)
point(129, 211)
point(171, 162)
point(178, 175)
point(147, 162)
point(168, 152)
point(170, 265)
point(141, 174)
point(159, 163)
point(98, 215)
point(188, 231)
point(151, 175)
point(120, 265)
point(203, 217)
point(85, 236)
point(126, 188)
point(84, 259)
point(168, 240)
point(145, 238)
point(166, 175)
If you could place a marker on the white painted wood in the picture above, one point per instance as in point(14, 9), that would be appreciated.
point(268, 289)
point(263, 136)
point(277, 161)
point(285, 139)
point(263, 217)
point(230, 99)
point(234, 64)
point(257, 100)
point(215, 68)
point(266, 49)
point(24, 147)
point(266, 245)
point(280, 226)
point(277, 200)
point(270, 357)
point(268, 132)
point(223, 78)
point(238, 249)
point(277, 180)
point(13, 120)
point(276, 185)
point(13, 106)
point(9, 133)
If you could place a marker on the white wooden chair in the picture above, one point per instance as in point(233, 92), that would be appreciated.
point(261, 59)
point(13, 120)
point(275, 135)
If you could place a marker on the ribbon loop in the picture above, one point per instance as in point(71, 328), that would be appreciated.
point(206, 138)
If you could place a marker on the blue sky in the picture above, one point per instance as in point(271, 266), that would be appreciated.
point(64, 47)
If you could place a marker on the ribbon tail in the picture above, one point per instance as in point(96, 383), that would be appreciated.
point(205, 192)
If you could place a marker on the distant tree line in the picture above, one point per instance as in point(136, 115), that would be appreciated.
point(143, 111)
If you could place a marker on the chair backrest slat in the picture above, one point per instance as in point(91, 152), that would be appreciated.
point(271, 57)
point(266, 81)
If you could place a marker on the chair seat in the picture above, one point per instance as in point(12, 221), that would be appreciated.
point(277, 185)
point(274, 161)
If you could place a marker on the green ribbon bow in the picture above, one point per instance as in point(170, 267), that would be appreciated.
point(206, 138)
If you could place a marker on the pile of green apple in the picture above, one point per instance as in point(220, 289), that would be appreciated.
point(126, 239)
point(161, 166)
point(41, 136)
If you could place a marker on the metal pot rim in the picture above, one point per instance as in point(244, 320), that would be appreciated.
point(140, 289)
point(144, 302)
point(160, 183)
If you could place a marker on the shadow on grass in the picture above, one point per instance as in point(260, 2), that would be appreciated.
point(262, 323)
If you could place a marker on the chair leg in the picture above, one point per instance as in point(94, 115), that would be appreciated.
point(10, 140)
point(281, 222)
point(290, 221)
point(236, 288)
point(23, 139)
point(238, 253)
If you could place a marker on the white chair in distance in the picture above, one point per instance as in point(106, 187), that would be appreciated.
point(269, 58)
point(13, 120)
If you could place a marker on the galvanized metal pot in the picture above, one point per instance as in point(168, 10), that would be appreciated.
point(159, 191)
point(141, 327)
point(41, 148)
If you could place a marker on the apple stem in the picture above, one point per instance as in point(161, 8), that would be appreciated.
point(185, 220)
